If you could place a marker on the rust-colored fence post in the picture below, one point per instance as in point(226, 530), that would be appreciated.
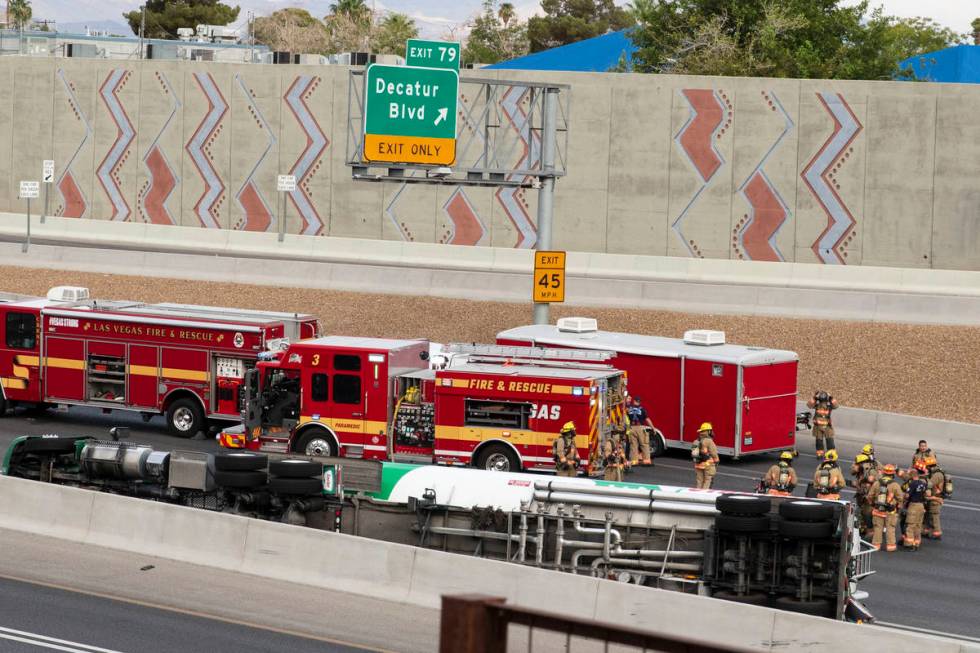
point(469, 624)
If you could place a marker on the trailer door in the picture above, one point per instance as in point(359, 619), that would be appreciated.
point(711, 395)
point(768, 407)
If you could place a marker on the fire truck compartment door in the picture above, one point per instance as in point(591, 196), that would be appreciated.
point(768, 407)
point(348, 396)
point(144, 372)
point(65, 369)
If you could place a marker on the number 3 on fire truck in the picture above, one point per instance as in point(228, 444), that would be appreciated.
point(316, 360)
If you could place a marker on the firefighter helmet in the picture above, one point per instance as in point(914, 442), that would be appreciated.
point(930, 461)
point(568, 427)
point(822, 395)
point(705, 427)
point(889, 469)
point(830, 456)
point(868, 449)
point(861, 458)
point(786, 455)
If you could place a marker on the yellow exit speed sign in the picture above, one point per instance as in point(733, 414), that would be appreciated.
point(549, 277)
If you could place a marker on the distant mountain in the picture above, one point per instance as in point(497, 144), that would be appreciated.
point(116, 27)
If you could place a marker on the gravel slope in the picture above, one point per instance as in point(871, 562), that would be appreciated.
point(933, 371)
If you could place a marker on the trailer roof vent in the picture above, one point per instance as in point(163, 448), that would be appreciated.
point(68, 294)
point(704, 337)
point(578, 325)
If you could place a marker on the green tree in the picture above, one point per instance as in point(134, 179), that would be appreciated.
point(392, 33)
point(291, 30)
point(976, 31)
point(356, 10)
point(164, 17)
point(495, 35)
point(568, 21)
point(789, 38)
point(20, 12)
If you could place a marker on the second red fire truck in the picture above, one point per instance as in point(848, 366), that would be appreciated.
point(186, 362)
point(494, 407)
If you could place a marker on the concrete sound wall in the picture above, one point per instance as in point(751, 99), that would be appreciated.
point(808, 171)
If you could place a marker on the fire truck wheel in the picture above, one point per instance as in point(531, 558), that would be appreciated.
point(49, 445)
point(295, 468)
point(804, 510)
point(497, 458)
point(752, 598)
point(240, 480)
point(740, 524)
point(185, 418)
point(239, 461)
point(806, 529)
point(3, 406)
point(657, 448)
point(316, 442)
point(816, 607)
point(296, 485)
point(742, 504)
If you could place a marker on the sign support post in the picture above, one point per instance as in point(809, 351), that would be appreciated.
point(284, 184)
point(546, 194)
point(47, 178)
point(28, 190)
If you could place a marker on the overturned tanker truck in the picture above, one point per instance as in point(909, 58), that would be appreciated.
point(793, 554)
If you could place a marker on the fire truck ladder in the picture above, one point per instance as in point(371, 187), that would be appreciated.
point(545, 356)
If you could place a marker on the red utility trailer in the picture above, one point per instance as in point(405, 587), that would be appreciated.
point(748, 394)
point(187, 362)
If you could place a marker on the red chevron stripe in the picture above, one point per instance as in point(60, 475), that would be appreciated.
point(696, 139)
point(768, 214)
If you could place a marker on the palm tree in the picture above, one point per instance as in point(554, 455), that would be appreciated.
point(394, 30)
point(356, 10)
point(20, 11)
point(506, 13)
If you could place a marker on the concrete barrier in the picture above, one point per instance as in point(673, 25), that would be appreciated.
point(904, 431)
point(675, 283)
point(417, 576)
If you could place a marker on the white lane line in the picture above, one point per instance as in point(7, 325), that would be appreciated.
point(50, 642)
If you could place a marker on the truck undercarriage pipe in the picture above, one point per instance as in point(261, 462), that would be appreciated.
point(648, 505)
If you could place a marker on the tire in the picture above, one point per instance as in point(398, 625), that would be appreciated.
point(742, 504)
point(657, 447)
point(3, 405)
point(296, 485)
point(497, 458)
point(240, 480)
point(316, 442)
point(742, 524)
point(805, 510)
point(239, 461)
point(806, 530)
point(817, 607)
point(752, 598)
point(50, 446)
point(294, 468)
point(185, 418)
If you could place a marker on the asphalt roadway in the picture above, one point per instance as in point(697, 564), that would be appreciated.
point(934, 589)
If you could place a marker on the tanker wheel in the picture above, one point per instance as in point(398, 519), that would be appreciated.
point(497, 458)
point(657, 447)
point(185, 418)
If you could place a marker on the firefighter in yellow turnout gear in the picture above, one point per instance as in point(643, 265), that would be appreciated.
point(781, 478)
point(705, 456)
point(614, 455)
point(829, 480)
point(565, 454)
point(886, 498)
point(823, 429)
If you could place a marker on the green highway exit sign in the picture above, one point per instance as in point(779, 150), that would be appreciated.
point(410, 114)
point(432, 54)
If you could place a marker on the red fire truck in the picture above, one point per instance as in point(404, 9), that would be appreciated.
point(187, 362)
point(748, 394)
point(494, 407)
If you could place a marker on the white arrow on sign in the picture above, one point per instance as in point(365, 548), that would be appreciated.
point(443, 114)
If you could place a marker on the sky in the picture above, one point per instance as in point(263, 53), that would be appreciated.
point(438, 17)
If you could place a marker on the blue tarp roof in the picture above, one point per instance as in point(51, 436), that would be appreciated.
point(960, 63)
point(597, 54)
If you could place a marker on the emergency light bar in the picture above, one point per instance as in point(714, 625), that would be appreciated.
point(530, 353)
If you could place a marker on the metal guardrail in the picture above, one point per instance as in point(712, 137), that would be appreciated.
point(475, 623)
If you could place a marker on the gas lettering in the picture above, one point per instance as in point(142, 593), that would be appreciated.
point(544, 411)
